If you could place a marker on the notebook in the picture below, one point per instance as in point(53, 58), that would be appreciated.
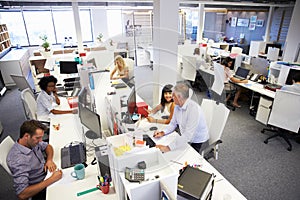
point(241, 73)
point(72, 155)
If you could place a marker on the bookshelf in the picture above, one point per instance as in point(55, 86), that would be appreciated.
point(4, 38)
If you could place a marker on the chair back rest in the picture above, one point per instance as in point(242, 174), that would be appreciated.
point(21, 82)
point(5, 147)
point(130, 64)
point(189, 67)
point(285, 111)
point(29, 103)
point(216, 116)
point(237, 50)
point(219, 77)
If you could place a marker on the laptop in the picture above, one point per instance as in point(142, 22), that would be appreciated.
point(241, 73)
point(72, 155)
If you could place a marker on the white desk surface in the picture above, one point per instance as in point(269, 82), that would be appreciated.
point(68, 187)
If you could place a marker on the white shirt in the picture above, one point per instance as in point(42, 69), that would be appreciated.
point(44, 105)
point(293, 88)
point(192, 124)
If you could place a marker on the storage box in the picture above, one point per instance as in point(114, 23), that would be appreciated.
point(73, 102)
point(141, 106)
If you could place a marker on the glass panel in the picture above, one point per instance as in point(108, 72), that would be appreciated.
point(85, 23)
point(15, 26)
point(39, 23)
point(64, 28)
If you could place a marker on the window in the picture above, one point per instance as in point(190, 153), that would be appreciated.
point(39, 23)
point(85, 23)
point(114, 17)
point(15, 26)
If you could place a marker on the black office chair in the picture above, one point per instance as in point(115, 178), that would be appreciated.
point(284, 117)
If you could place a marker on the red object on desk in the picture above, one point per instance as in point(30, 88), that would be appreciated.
point(141, 106)
point(73, 102)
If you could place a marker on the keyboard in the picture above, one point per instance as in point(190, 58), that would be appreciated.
point(239, 77)
point(119, 85)
point(73, 79)
point(72, 155)
point(149, 140)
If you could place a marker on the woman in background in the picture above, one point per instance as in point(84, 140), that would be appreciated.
point(120, 68)
point(166, 106)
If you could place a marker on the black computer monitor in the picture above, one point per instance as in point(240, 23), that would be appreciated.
point(68, 67)
point(91, 120)
point(274, 45)
point(292, 73)
point(131, 102)
point(260, 66)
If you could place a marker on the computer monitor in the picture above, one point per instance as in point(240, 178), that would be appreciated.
point(68, 67)
point(131, 102)
point(292, 73)
point(260, 66)
point(274, 45)
point(91, 120)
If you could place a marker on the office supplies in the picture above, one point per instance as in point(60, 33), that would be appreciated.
point(101, 153)
point(241, 73)
point(148, 140)
point(72, 155)
point(87, 191)
point(194, 183)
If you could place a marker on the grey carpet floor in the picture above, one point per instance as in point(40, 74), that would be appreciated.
point(259, 171)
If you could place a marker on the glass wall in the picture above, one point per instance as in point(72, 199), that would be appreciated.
point(26, 26)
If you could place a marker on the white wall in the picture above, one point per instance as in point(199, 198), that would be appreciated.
point(99, 22)
point(293, 36)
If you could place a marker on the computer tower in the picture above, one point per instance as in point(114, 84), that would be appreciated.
point(101, 153)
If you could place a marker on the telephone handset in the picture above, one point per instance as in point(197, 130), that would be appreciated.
point(254, 77)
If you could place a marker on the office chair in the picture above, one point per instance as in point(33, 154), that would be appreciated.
point(30, 109)
point(214, 112)
point(189, 70)
point(285, 116)
point(21, 83)
point(130, 64)
point(5, 147)
point(1, 128)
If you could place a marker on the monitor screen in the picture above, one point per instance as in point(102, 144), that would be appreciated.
point(292, 73)
point(131, 102)
point(91, 120)
point(68, 67)
point(260, 66)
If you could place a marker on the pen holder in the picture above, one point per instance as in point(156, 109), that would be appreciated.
point(105, 188)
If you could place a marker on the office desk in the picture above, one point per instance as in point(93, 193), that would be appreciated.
point(68, 187)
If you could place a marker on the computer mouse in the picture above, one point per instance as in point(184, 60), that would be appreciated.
point(58, 84)
point(153, 128)
point(165, 117)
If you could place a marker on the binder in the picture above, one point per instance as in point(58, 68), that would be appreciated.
point(195, 184)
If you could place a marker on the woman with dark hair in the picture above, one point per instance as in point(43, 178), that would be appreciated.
point(227, 63)
point(166, 106)
point(48, 98)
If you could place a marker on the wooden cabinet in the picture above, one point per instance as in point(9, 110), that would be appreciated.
point(15, 62)
point(4, 38)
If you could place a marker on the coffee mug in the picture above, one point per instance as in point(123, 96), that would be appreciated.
point(78, 172)
point(105, 188)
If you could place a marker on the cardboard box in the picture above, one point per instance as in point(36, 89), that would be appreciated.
point(141, 106)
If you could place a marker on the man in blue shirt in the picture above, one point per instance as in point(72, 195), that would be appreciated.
point(189, 116)
point(28, 165)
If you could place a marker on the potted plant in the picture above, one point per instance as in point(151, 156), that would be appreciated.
point(99, 37)
point(46, 51)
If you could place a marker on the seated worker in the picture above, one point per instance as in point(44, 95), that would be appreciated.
point(120, 68)
point(189, 116)
point(28, 165)
point(296, 84)
point(47, 97)
point(227, 63)
point(166, 106)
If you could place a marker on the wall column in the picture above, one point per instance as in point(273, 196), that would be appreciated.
point(201, 18)
point(165, 44)
point(268, 28)
point(77, 25)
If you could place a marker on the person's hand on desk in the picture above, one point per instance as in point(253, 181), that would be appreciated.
point(75, 111)
point(56, 175)
point(158, 134)
point(50, 165)
point(163, 148)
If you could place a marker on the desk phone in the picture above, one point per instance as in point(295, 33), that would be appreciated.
point(134, 175)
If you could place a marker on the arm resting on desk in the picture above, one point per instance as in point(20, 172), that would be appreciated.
point(236, 80)
point(32, 190)
point(50, 165)
point(63, 111)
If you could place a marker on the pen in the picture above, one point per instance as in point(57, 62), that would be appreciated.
point(87, 191)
